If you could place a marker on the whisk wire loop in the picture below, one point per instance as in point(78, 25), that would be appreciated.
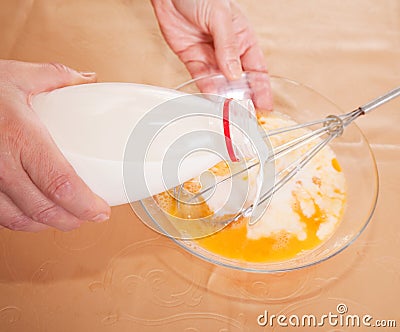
point(331, 127)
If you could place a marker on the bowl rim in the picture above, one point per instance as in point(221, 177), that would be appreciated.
point(268, 268)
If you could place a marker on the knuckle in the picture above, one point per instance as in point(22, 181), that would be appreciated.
point(57, 67)
point(230, 49)
point(60, 187)
point(46, 214)
point(18, 223)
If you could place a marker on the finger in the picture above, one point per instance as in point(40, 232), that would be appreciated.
point(55, 177)
point(225, 43)
point(200, 61)
point(40, 77)
point(14, 219)
point(33, 204)
point(253, 61)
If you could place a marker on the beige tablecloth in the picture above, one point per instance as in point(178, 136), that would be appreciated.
point(120, 275)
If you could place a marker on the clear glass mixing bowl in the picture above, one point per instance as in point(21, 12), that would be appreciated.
point(302, 104)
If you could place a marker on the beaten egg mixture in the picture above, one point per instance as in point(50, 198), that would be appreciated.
point(301, 215)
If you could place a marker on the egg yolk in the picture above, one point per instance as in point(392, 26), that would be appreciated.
point(232, 241)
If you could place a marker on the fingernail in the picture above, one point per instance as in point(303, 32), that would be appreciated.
point(235, 69)
point(101, 217)
point(88, 74)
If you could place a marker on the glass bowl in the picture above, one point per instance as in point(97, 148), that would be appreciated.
point(352, 150)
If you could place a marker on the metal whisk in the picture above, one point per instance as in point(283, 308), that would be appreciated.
point(330, 127)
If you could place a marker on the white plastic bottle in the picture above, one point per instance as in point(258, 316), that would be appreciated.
point(92, 124)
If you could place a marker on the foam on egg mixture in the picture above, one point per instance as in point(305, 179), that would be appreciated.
point(301, 215)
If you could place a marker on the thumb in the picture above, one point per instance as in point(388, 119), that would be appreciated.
point(225, 44)
point(41, 77)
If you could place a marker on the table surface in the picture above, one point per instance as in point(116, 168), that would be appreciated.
point(120, 275)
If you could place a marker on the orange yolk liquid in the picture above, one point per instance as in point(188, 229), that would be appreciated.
point(232, 241)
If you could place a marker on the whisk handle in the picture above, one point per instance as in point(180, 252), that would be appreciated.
point(381, 100)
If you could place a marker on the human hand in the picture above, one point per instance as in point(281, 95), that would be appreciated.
point(38, 187)
point(211, 36)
